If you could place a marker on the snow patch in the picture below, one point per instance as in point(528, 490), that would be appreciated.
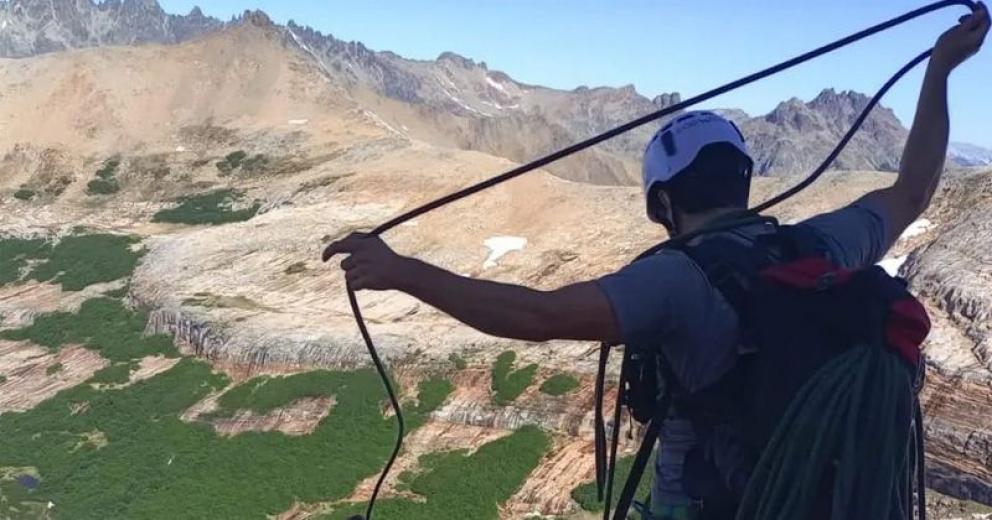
point(375, 117)
point(180, 149)
point(463, 105)
point(492, 83)
point(892, 265)
point(500, 246)
point(916, 228)
point(298, 122)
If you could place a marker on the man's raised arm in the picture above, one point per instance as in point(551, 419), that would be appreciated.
point(580, 311)
point(926, 148)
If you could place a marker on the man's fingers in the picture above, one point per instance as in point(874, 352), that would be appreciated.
point(348, 244)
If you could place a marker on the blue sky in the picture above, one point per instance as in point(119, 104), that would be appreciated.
point(658, 46)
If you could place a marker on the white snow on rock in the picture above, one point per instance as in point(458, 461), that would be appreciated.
point(917, 228)
point(495, 85)
point(298, 122)
point(892, 265)
point(500, 246)
point(180, 149)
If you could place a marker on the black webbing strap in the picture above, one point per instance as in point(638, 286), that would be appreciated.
point(615, 442)
point(641, 459)
point(599, 424)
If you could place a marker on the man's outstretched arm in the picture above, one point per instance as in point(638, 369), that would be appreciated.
point(926, 148)
point(580, 311)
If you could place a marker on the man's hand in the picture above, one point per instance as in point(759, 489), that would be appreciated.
point(961, 41)
point(371, 264)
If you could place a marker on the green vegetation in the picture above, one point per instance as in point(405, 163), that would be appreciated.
point(54, 369)
point(102, 187)
point(585, 494)
point(264, 394)
point(109, 169)
point(3, 379)
point(458, 361)
point(150, 464)
point(559, 384)
point(24, 194)
point(103, 325)
point(118, 293)
point(15, 254)
point(508, 385)
point(115, 374)
point(431, 394)
point(18, 502)
point(240, 160)
point(231, 162)
point(79, 261)
point(105, 182)
point(458, 485)
point(214, 207)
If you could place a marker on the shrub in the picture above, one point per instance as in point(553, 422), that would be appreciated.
point(115, 374)
point(231, 162)
point(24, 194)
point(458, 361)
point(15, 254)
point(102, 187)
point(103, 325)
point(559, 384)
point(585, 494)
point(457, 484)
point(109, 168)
point(54, 369)
point(213, 207)
point(3, 379)
point(79, 261)
point(507, 385)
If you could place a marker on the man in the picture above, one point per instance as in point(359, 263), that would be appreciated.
point(696, 170)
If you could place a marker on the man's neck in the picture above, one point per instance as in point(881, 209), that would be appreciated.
point(690, 223)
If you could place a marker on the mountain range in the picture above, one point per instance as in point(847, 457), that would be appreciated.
point(457, 102)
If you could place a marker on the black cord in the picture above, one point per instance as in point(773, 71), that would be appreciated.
point(592, 141)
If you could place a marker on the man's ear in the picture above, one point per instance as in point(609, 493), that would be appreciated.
point(664, 212)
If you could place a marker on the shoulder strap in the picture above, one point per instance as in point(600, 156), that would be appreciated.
point(626, 498)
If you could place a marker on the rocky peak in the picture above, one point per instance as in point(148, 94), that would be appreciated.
point(256, 18)
point(35, 27)
point(667, 100)
point(456, 59)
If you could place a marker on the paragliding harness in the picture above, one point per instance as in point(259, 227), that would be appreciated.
point(626, 127)
point(798, 313)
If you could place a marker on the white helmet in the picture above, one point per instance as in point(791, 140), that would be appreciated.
point(675, 146)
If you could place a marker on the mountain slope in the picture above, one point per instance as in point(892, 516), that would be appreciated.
point(456, 102)
point(32, 27)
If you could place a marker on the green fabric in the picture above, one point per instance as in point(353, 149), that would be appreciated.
point(846, 417)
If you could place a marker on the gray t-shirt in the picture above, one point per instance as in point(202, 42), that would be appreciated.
point(665, 300)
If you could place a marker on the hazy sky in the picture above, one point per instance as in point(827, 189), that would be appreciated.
point(659, 46)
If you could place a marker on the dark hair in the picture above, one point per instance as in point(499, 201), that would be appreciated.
point(719, 177)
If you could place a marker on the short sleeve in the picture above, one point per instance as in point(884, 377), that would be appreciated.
point(643, 296)
point(855, 237)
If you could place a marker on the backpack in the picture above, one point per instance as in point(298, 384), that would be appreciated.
point(828, 354)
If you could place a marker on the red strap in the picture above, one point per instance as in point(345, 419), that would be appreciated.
point(806, 273)
point(908, 326)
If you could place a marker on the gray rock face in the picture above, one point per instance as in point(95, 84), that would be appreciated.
point(31, 27)
point(796, 136)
